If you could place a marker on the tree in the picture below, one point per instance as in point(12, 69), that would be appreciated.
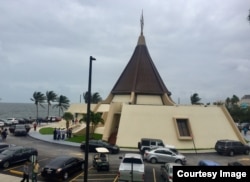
point(68, 116)
point(195, 99)
point(95, 119)
point(38, 98)
point(95, 98)
point(51, 97)
point(62, 103)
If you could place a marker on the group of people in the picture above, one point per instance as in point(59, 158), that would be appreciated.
point(26, 171)
point(3, 133)
point(61, 134)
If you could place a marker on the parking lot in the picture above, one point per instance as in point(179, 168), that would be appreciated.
point(152, 171)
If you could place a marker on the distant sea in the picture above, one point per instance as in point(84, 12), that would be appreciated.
point(25, 110)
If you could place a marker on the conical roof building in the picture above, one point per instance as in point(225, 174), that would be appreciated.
point(140, 106)
point(140, 77)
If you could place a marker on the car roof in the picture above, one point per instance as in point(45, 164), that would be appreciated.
point(227, 140)
point(155, 139)
point(209, 162)
point(130, 155)
point(58, 161)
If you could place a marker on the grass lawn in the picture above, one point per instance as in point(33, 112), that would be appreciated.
point(77, 139)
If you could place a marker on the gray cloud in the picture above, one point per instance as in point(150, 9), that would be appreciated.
point(197, 46)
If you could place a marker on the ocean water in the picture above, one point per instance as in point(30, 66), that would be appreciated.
point(25, 110)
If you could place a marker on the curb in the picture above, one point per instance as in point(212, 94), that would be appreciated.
point(16, 172)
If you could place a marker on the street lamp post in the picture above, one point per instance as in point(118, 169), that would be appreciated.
point(88, 121)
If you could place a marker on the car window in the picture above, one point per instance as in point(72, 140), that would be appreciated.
point(238, 144)
point(161, 152)
point(153, 143)
point(145, 143)
point(167, 152)
point(160, 144)
point(132, 160)
point(69, 161)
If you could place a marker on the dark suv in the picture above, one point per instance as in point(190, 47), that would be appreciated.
point(231, 147)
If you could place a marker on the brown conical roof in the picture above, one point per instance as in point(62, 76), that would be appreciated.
point(140, 75)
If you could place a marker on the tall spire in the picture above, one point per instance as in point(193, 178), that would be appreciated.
point(142, 23)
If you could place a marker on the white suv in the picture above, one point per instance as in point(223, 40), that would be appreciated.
point(131, 168)
point(13, 120)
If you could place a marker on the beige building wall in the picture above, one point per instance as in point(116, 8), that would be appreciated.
point(208, 124)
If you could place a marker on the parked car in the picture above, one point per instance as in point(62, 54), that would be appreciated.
point(163, 155)
point(41, 120)
point(167, 171)
point(149, 143)
point(2, 124)
point(93, 144)
point(20, 130)
point(61, 167)
point(13, 120)
point(53, 118)
point(15, 155)
point(208, 163)
point(6, 122)
point(231, 147)
point(24, 121)
point(131, 165)
point(4, 146)
point(240, 162)
point(13, 127)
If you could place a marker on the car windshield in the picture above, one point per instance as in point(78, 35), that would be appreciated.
point(132, 160)
point(20, 126)
point(8, 152)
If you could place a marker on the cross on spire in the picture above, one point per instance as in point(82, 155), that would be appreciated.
point(142, 23)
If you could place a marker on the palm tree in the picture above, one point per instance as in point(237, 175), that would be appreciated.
point(62, 103)
point(51, 97)
point(195, 98)
point(38, 98)
point(95, 119)
point(68, 116)
point(234, 100)
point(95, 98)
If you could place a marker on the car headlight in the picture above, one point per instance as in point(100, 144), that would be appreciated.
point(58, 170)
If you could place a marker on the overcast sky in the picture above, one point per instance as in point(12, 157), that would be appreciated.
point(198, 46)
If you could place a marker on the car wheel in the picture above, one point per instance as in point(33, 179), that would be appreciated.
point(178, 161)
point(65, 175)
point(247, 152)
point(153, 160)
point(231, 153)
point(6, 164)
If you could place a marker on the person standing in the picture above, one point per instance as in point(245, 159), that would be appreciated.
point(36, 167)
point(4, 134)
point(55, 134)
point(25, 172)
point(34, 125)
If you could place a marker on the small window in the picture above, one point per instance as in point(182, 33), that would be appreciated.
point(183, 128)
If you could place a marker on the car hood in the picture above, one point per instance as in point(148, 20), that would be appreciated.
point(180, 156)
point(4, 157)
point(127, 167)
